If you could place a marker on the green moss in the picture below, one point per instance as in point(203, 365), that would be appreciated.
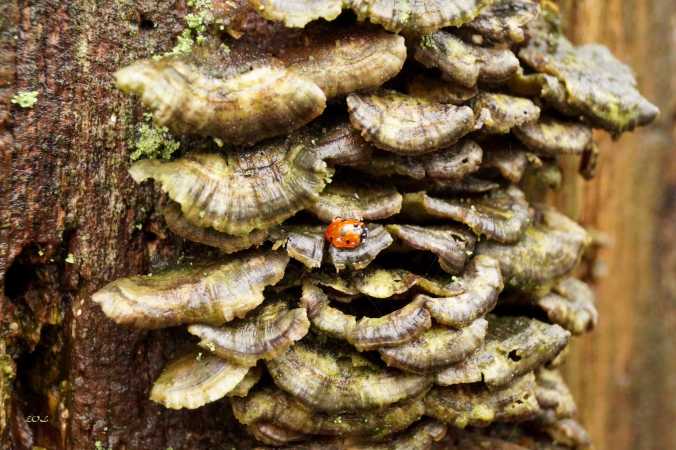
point(197, 23)
point(25, 99)
point(154, 142)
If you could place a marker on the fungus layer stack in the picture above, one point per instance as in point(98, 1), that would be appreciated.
point(438, 124)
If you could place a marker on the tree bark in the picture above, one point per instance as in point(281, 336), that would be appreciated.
point(72, 220)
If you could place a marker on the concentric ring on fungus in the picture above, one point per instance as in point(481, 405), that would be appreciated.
point(212, 293)
point(417, 16)
point(408, 125)
point(505, 20)
point(240, 108)
point(367, 333)
point(463, 63)
point(279, 408)
point(226, 243)
point(335, 380)
point(571, 305)
point(513, 346)
point(356, 201)
point(550, 249)
point(593, 82)
point(298, 13)
point(304, 243)
point(500, 112)
point(475, 405)
point(241, 191)
point(265, 333)
point(439, 91)
point(196, 379)
point(341, 60)
point(481, 283)
point(436, 348)
point(502, 214)
point(451, 243)
point(452, 163)
point(552, 137)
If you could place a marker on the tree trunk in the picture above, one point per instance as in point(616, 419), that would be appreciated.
point(72, 220)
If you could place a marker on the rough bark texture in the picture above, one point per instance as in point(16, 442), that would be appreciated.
point(71, 219)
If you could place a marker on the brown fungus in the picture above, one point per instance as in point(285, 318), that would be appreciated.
point(504, 20)
point(514, 346)
point(304, 243)
point(476, 405)
point(439, 91)
point(510, 160)
point(501, 112)
point(298, 13)
point(346, 59)
point(335, 380)
point(502, 215)
point(226, 243)
point(417, 16)
point(481, 284)
point(571, 304)
point(568, 432)
point(377, 240)
point(195, 380)
point(239, 108)
point(549, 250)
point(392, 329)
point(274, 435)
point(463, 63)
point(323, 316)
point(452, 163)
point(212, 294)
point(265, 333)
point(241, 191)
point(552, 137)
point(279, 408)
point(356, 201)
point(436, 348)
point(553, 394)
point(252, 377)
point(593, 83)
point(408, 125)
point(421, 436)
point(452, 244)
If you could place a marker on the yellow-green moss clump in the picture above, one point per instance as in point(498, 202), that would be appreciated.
point(25, 99)
point(154, 142)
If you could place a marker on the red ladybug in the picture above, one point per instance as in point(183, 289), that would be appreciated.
point(346, 233)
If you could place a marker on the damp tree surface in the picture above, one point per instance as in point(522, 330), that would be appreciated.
point(72, 219)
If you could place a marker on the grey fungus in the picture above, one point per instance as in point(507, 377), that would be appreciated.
point(235, 194)
point(357, 201)
point(505, 21)
point(242, 108)
point(213, 293)
point(571, 304)
point(553, 137)
point(298, 13)
point(463, 63)
point(196, 379)
point(264, 333)
point(408, 125)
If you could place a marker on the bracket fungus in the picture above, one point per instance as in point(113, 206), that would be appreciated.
point(329, 129)
point(514, 346)
point(505, 21)
point(481, 284)
point(195, 380)
point(549, 250)
point(408, 125)
point(333, 380)
point(265, 333)
point(241, 108)
point(237, 193)
point(502, 214)
point(212, 294)
point(451, 244)
point(436, 348)
point(463, 63)
point(476, 405)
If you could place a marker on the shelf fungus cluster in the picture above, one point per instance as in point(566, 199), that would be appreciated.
point(436, 126)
